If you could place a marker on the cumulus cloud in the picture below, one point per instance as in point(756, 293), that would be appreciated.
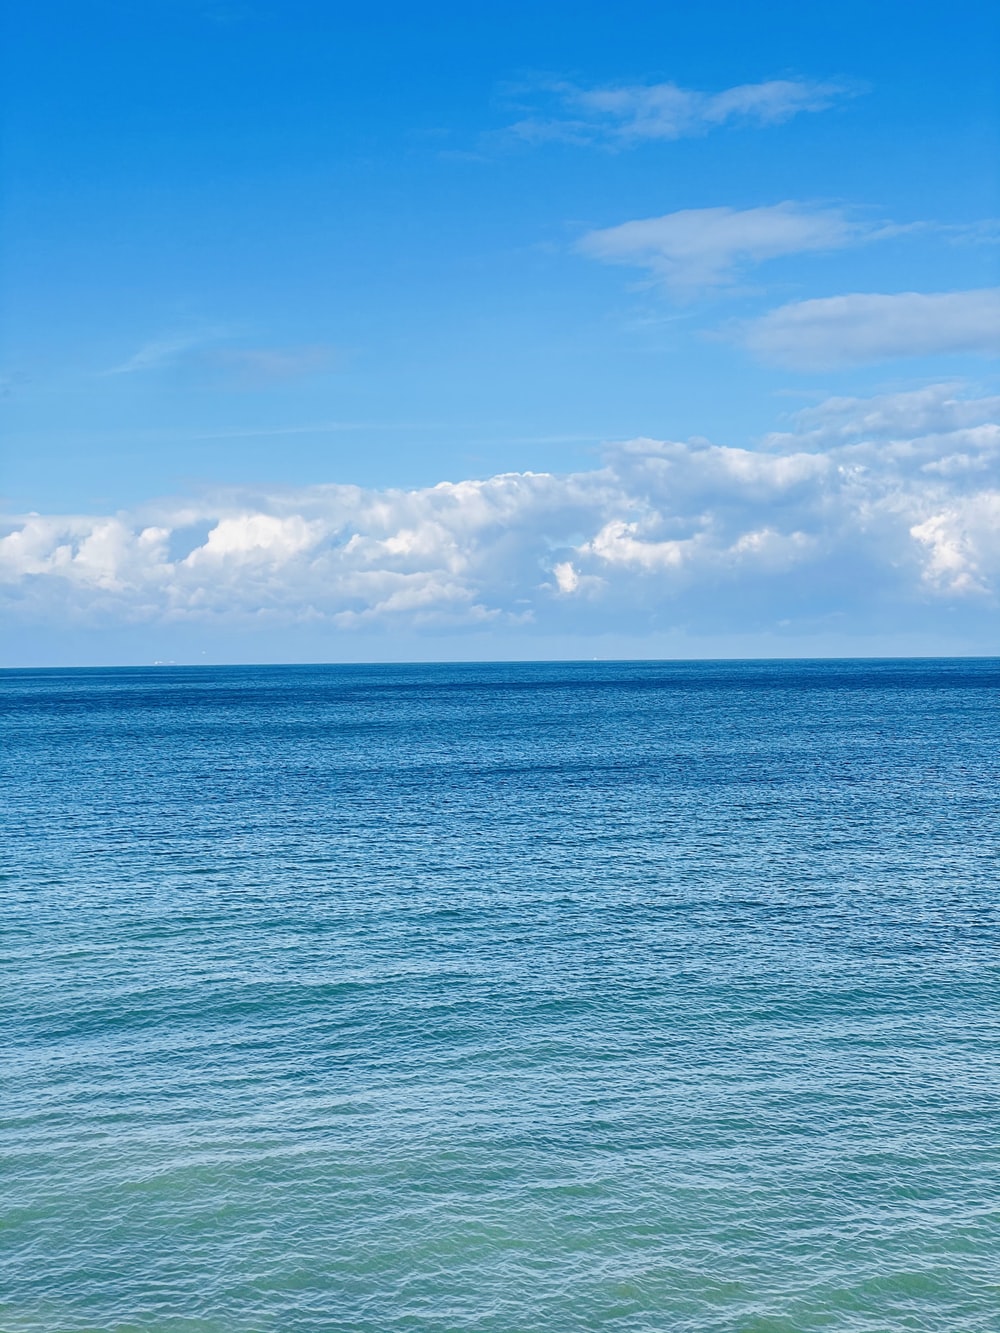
point(863, 508)
point(703, 247)
point(868, 327)
point(625, 114)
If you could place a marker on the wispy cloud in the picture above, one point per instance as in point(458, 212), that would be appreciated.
point(161, 352)
point(869, 327)
point(625, 114)
point(864, 508)
point(213, 352)
point(933, 411)
point(706, 247)
point(253, 366)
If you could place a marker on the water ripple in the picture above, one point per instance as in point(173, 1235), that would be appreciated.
point(639, 997)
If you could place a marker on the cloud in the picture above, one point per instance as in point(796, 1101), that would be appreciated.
point(212, 353)
point(625, 114)
point(702, 247)
point(866, 327)
point(870, 511)
point(933, 412)
point(252, 366)
point(160, 352)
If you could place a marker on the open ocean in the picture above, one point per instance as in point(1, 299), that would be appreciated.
point(516, 998)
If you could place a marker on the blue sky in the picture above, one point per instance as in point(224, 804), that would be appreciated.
point(257, 255)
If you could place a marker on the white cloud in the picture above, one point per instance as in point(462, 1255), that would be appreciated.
point(934, 409)
point(567, 579)
point(701, 247)
point(962, 545)
point(864, 508)
point(624, 114)
point(866, 327)
point(257, 537)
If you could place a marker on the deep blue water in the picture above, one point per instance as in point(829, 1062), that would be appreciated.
point(558, 997)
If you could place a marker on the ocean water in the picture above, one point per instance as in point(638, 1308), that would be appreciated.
point(561, 997)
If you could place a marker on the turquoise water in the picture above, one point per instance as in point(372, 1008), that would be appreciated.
point(503, 998)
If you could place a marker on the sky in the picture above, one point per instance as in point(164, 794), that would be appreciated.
point(340, 332)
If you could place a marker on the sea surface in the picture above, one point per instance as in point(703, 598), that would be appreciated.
point(514, 998)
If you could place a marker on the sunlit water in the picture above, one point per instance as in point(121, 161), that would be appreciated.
point(625, 997)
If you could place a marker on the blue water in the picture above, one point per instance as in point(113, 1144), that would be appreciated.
point(506, 998)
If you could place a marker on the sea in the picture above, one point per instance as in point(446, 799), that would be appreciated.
point(642, 997)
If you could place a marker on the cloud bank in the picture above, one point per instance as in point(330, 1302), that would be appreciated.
point(625, 114)
point(864, 511)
